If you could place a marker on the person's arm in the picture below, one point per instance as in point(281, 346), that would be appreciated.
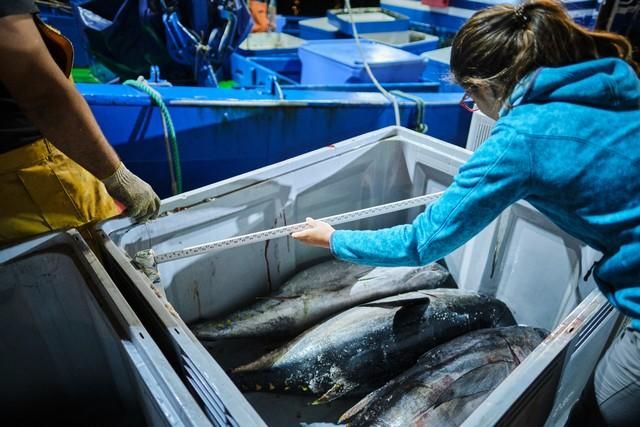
point(496, 176)
point(59, 111)
point(49, 99)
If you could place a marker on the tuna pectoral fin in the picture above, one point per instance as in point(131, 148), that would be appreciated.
point(407, 302)
point(338, 390)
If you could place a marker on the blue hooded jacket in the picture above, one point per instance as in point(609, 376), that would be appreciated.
point(570, 145)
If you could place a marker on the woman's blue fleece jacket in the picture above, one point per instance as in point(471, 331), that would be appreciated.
point(570, 145)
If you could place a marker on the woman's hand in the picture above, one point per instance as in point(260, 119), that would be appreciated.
point(318, 233)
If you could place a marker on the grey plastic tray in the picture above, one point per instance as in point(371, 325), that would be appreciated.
point(73, 351)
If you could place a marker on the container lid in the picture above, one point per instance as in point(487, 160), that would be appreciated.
point(346, 52)
point(366, 17)
point(440, 55)
point(319, 23)
point(270, 41)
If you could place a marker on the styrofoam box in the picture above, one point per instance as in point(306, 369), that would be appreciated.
point(340, 61)
point(270, 43)
point(521, 258)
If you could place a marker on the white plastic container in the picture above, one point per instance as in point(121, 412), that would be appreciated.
point(521, 258)
point(479, 130)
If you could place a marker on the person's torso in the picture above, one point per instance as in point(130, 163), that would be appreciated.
point(16, 129)
point(586, 179)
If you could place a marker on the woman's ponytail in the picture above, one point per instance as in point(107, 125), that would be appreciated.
point(500, 45)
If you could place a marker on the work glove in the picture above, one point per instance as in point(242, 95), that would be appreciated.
point(141, 201)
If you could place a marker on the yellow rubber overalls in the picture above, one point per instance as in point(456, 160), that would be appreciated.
point(43, 190)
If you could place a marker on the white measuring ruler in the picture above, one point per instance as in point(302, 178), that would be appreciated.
point(265, 235)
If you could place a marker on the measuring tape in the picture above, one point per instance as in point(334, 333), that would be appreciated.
point(265, 235)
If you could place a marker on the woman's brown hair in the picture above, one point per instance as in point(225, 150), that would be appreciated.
point(500, 45)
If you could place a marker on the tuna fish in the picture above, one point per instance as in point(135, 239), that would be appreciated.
point(360, 349)
point(320, 292)
point(448, 382)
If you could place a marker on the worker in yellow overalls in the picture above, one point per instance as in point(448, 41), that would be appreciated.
point(57, 170)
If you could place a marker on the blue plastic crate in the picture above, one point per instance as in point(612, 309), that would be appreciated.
point(260, 70)
point(450, 19)
point(225, 132)
point(340, 61)
point(438, 69)
point(318, 29)
point(482, 4)
point(368, 20)
point(446, 20)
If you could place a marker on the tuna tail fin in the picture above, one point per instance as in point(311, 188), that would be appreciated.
point(338, 390)
point(407, 302)
point(352, 412)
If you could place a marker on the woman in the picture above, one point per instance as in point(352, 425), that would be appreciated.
point(567, 139)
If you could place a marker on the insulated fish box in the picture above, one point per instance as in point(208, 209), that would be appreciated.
point(340, 61)
point(73, 351)
point(521, 258)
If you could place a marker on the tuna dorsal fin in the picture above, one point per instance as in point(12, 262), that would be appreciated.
point(339, 389)
point(407, 302)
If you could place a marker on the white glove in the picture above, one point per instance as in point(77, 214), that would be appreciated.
point(141, 201)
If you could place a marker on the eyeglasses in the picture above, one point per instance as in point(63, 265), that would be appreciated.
point(467, 103)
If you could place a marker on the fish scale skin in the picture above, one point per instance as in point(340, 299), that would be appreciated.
point(361, 348)
point(317, 293)
point(448, 382)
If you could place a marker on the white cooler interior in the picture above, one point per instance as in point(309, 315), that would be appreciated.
point(521, 258)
